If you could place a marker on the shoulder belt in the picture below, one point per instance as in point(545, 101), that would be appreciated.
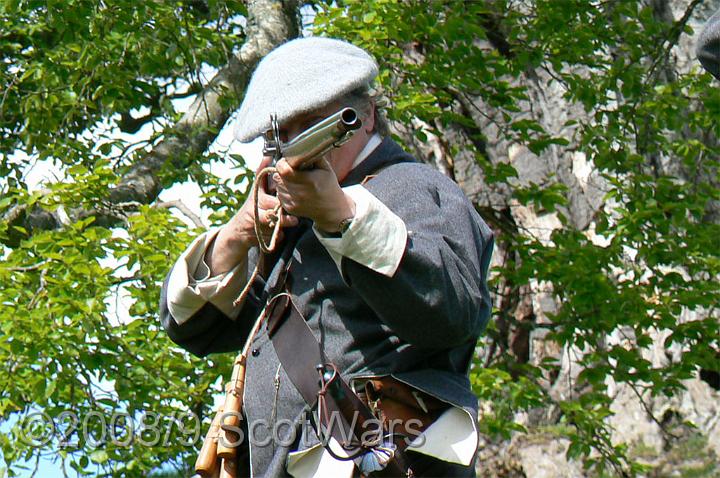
point(307, 367)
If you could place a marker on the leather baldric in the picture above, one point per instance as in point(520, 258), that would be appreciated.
point(304, 362)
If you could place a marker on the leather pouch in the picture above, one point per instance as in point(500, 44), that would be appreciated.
point(396, 403)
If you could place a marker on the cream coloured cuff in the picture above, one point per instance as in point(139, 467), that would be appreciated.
point(376, 237)
point(453, 437)
point(190, 286)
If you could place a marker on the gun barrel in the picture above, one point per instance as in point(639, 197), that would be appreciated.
point(307, 147)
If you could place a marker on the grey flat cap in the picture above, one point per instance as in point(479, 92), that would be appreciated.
point(708, 46)
point(301, 76)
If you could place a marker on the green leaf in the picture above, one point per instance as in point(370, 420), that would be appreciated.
point(99, 456)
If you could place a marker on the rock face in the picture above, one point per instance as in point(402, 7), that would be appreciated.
point(532, 455)
point(677, 436)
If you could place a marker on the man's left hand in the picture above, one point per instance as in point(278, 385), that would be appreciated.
point(313, 193)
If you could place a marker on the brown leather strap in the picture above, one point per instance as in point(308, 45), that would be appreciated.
point(301, 356)
point(298, 352)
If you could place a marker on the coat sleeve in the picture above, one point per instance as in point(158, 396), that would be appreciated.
point(438, 297)
point(708, 46)
point(209, 330)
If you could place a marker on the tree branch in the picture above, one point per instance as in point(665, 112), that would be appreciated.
point(131, 125)
point(495, 35)
point(180, 206)
point(124, 280)
point(269, 23)
point(662, 53)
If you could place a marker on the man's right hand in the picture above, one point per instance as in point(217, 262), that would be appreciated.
point(235, 239)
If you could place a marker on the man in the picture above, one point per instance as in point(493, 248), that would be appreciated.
point(387, 262)
point(708, 47)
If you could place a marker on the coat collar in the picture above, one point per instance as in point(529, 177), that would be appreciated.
point(386, 154)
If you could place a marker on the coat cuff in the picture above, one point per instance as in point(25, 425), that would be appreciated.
point(190, 286)
point(376, 237)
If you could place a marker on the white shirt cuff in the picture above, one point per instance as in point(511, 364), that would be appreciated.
point(316, 462)
point(190, 286)
point(453, 437)
point(376, 237)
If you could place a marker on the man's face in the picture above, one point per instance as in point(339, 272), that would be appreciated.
point(341, 159)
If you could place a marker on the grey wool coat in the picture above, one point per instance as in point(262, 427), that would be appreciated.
point(421, 325)
point(708, 45)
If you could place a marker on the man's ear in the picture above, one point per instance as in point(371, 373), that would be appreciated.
point(369, 120)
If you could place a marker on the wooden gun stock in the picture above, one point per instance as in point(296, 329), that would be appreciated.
point(234, 390)
point(218, 456)
point(206, 464)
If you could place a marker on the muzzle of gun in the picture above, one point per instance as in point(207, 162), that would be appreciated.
point(310, 145)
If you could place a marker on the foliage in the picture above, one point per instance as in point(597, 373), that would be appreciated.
point(76, 72)
point(649, 132)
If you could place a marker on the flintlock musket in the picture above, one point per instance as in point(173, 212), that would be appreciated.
point(218, 456)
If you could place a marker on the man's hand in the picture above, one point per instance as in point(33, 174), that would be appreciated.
point(314, 194)
point(235, 239)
